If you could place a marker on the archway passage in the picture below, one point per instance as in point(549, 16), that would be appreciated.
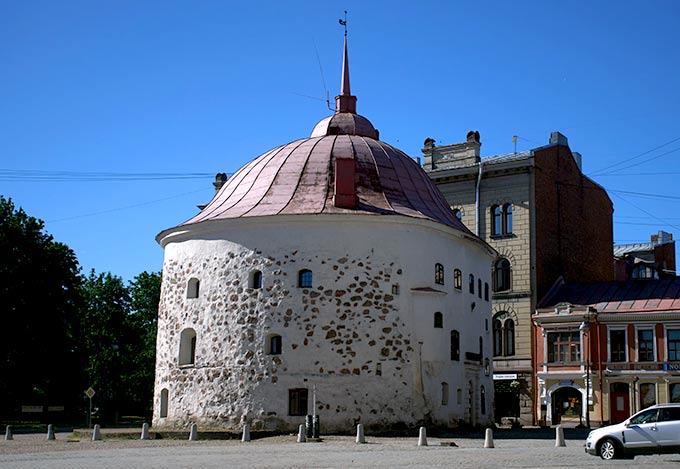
point(567, 405)
point(506, 400)
point(619, 402)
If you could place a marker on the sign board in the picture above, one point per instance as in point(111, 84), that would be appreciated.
point(56, 408)
point(499, 376)
point(90, 392)
point(671, 366)
point(31, 408)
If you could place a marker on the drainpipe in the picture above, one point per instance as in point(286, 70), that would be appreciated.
point(479, 181)
point(599, 367)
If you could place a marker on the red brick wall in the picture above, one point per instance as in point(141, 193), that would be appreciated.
point(574, 233)
point(664, 255)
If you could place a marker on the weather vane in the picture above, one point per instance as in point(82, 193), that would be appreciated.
point(344, 22)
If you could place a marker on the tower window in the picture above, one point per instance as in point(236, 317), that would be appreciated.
point(305, 278)
point(439, 274)
point(192, 288)
point(255, 279)
point(187, 347)
point(438, 320)
point(457, 279)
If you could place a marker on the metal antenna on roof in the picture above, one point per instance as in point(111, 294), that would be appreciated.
point(323, 79)
point(344, 22)
point(514, 140)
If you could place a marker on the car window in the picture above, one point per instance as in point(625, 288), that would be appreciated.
point(669, 414)
point(644, 417)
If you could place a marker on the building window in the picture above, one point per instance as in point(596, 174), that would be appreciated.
point(395, 289)
point(482, 400)
point(274, 345)
point(501, 220)
point(457, 279)
point(479, 287)
point(439, 274)
point(438, 320)
point(255, 280)
point(647, 395)
point(445, 393)
point(674, 393)
point(378, 369)
point(673, 343)
point(455, 345)
point(486, 291)
point(501, 275)
point(617, 345)
point(459, 396)
point(305, 278)
point(564, 347)
point(297, 401)
point(164, 403)
point(503, 337)
point(645, 345)
point(187, 347)
point(643, 272)
point(472, 284)
point(192, 288)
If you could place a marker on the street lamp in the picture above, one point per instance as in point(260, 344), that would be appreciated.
point(584, 328)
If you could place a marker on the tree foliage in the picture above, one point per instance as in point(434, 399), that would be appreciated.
point(40, 298)
point(65, 332)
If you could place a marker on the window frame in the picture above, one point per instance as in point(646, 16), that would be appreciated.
point(193, 288)
point(305, 278)
point(439, 274)
point(638, 331)
point(564, 346)
point(454, 340)
point(187, 347)
point(438, 320)
point(502, 275)
point(675, 351)
point(298, 396)
point(471, 283)
point(457, 279)
point(610, 348)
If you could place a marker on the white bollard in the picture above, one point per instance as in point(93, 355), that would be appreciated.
point(8, 433)
point(96, 433)
point(488, 438)
point(145, 432)
point(360, 434)
point(50, 432)
point(559, 436)
point(422, 437)
point(246, 433)
point(193, 433)
point(301, 435)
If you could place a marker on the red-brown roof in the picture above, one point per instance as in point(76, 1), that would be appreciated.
point(613, 297)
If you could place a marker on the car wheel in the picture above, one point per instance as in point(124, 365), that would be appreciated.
point(609, 449)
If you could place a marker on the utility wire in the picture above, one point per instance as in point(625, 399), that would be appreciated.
point(607, 168)
point(34, 175)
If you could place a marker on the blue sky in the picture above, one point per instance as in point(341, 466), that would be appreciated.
point(128, 108)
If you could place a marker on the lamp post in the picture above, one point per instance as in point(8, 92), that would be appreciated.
point(584, 328)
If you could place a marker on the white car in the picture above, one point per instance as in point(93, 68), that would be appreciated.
point(655, 430)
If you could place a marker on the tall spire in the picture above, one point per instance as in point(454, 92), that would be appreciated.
point(345, 102)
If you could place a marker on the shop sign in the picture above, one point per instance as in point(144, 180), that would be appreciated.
point(500, 376)
point(671, 366)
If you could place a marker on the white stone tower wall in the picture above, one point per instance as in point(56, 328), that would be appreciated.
point(334, 334)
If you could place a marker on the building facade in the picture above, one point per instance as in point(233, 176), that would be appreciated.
point(546, 219)
point(615, 345)
point(328, 276)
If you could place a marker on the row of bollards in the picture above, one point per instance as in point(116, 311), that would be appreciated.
point(301, 438)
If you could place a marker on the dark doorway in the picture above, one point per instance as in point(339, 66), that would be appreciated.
point(506, 399)
point(619, 402)
point(566, 405)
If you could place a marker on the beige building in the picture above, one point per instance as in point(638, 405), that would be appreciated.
point(546, 220)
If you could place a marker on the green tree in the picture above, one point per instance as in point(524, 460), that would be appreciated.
point(145, 292)
point(39, 298)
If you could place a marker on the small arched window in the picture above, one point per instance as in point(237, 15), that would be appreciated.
point(164, 403)
point(486, 291)
point(439, 274)
point(438, 320)
point(457, 279)
point(507, 219)
point(305, 278)
point(455, 345)
point(445, 393)
point(274, 345)
point(187, 347)
point(496, 221)
point(501, 275)
point(509, 338)
point(479, 287)
point(472, 284)
point(192, 288)
point(497, 338)
point(255, 280)
point(501, 220)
